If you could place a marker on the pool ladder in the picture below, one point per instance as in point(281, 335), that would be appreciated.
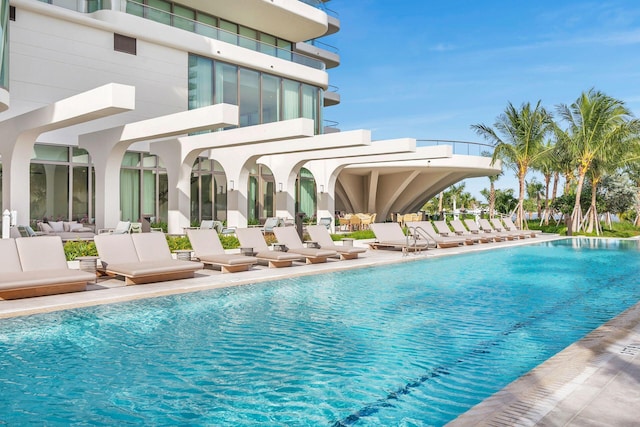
point(414, 234)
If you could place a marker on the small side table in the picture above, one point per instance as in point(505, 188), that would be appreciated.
point(89, 264)
point(347, 241)
point(183, 254)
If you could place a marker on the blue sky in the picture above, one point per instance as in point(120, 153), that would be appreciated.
point(429, 70)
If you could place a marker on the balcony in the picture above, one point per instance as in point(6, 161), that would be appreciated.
point(331, 96)
point(320, 51)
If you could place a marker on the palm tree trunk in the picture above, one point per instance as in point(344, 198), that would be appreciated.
point(637, 221)
point(556, 181)
point(576, 215)
point(520, 214)
point(547, 181)
point(492, 200)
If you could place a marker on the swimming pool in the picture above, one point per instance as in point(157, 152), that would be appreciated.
point(409, 344)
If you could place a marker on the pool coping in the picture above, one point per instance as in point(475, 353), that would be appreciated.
point(594, 381)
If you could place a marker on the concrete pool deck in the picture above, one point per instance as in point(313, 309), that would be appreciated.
point(595, 381)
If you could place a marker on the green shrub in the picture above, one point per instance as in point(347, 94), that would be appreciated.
point(178, 243)
point(229, 242)
point(75, 248)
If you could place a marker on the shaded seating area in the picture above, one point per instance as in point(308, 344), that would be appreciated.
point(425, 230)
point(141, 258)
point(208, 250)
point(252, 238)
point(121, 228)
point(389, 235)
point(320, 234)
point(66, 230)
point(289, 237)
point(37, 267)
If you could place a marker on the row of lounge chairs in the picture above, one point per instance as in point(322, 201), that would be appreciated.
point(423, 234)
point(36, 267)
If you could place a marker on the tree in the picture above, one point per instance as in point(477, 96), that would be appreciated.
point(534, 193)
point(518, 135)
point(597, 123)
point(618, 194)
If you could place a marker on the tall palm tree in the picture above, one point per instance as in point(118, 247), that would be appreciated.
point(518, 136)
point(597, 122)
point(492, 194)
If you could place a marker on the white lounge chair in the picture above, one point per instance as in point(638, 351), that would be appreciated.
point(141, 258)
point(390, 235)
point(509, 225)
point(487, 227)
point(424, 230)
point(319, 234)
point(208, 249)
point(444, 230)
point(473, 227)
point(289, 237)
point(460, 230)
point(253, 238)
point(499, 227)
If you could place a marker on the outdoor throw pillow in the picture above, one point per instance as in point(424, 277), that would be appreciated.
point(57, 226)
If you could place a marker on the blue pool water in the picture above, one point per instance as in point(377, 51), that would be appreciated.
point(413, 344)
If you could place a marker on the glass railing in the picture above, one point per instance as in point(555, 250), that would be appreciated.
point(167, 18)
point(460, 147)
point(148, 12)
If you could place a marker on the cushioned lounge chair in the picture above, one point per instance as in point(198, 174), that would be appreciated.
point(389, 235)
point(253, 238)
point(499, 227)
point(208, 249)
point(320, 234)
point(473, 227)
point(460, 230)
point(444, 230)
point(36, 267)
point(510, 226)
point(425, 230)
point(289, 237)
point(141, 258)
point(487, 227)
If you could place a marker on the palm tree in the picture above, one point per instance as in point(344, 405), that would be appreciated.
point(534, 191)
point(518, 136)
point(548, 165)
point(492, 194)
point(597, 123)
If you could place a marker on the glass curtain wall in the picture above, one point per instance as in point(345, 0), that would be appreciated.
point(61, 184)
point(208, 191)
point(4, 44)
point(306, 193)
point(144, 188)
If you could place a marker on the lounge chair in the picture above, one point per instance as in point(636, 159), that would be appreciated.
point(141, 258)
point(253, 238)
point(499, 227)
point(208, 249)
point(487, 227)
point(319, 234)
point(271, 223)
point(389, 235)
point(460, 230)
point(425, 230)
point(289, 237)
point(473, 227)
point(444, 230)
point(122, 227)
point(36, 267)
point(325, 222)
point(510, 226)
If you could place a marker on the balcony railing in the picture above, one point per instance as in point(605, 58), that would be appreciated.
point(167, 18)
point(460, 147)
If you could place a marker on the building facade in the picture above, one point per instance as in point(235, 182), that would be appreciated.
point(152, 60)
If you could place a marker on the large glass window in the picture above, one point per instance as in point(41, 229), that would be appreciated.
point(306, 193)
point(291, 99)
point(226, 88)
point(49, 191)
point(61, 184)
point(270, 99)
point(249, 97)
point(200, 82)
point(184, 18)
point(144, 188)
point(129, 194)
point(4, 44)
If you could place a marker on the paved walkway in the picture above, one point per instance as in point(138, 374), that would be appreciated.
point(594, 382)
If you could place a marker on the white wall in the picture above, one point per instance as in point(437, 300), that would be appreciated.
point(52, 59)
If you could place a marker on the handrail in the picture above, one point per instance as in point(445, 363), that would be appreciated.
point(229, 37)
point(423, 233)
point(479, 146)
point(322, 45)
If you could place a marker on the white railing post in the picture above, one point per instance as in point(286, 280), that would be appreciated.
point(6, 224)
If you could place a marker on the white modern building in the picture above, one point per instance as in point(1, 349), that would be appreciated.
point(187, 110)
